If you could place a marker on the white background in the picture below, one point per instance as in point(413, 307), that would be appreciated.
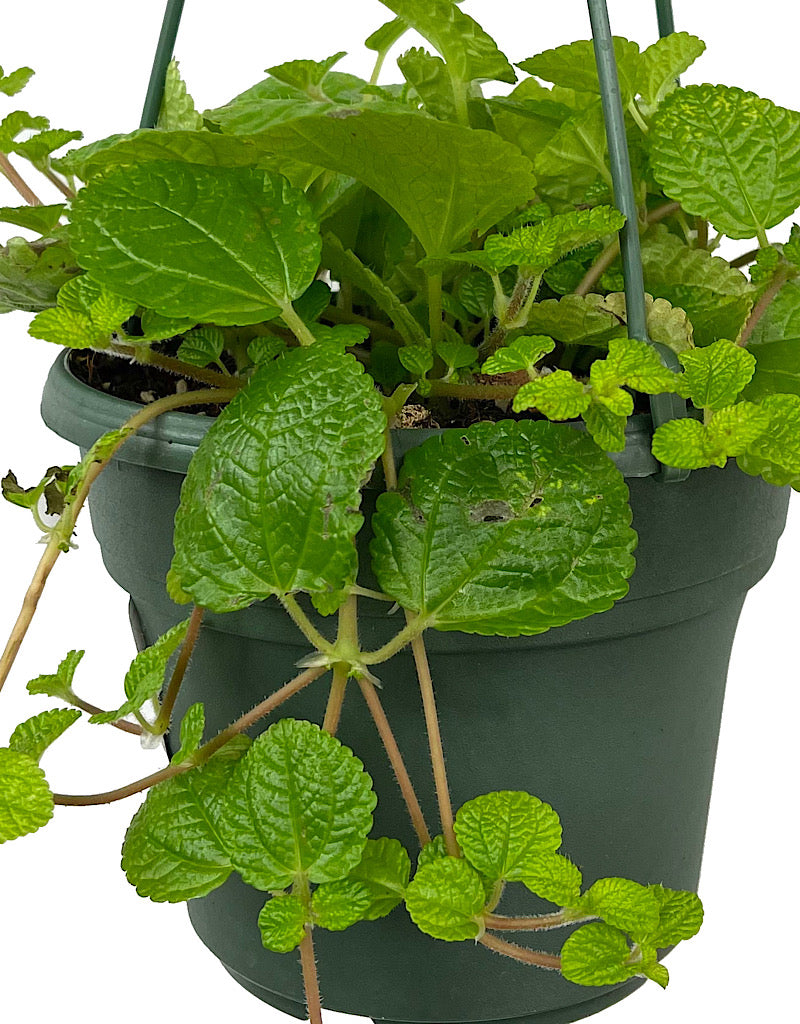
point(75, 939)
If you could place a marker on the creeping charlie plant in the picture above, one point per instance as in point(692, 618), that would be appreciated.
point(320, 256)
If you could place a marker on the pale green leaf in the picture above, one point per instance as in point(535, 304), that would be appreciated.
point(270, 504)
point(445, 180)
point(716, 297)
point(145, 677)
point(574, 66)
point(35, 736)
point(384, 38)
point(43, 219)
point(575, 320)
point(38, 148)
point(503, 834)
point(635, 364)
point(505, 528)
point(192, 726)
point(202, 346)
point(685, 443)
point(558, 396)
point(445, 899)
point(455, 353)
point(775, 343)
point(624, 904)
point(575, 157)
point(428, 76)
point(775, 454)
point(15, 123)
point(522, 353)
point(655, 971)
point(372, 889)
point(597, 954)
point(606, 426)
point(436, 849)
point(228, 245)
point(555, 878)
point(31, 273)
point(68, 328)
point(26, 802)
point(173, 848)
point(307, 75)
point(681, 916)
point(662, 63)
point(469, 52)
point(791, 249)
point(15, 81)
point(715, 376)
point(765, 265)
point(178, 112)
point(85, 316)
point(283, 923)
point(729, 156)
point(59, 684)
point(665, 324)
point(339, 905)
point(301, 803)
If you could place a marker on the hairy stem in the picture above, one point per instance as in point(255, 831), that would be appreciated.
point(333, 711)
point(541, 922)
point(8, 170)
point(347, 639)
point(205, 752)
point(394, 646)
point(396, 760)
point(526, 956)
point(435, 744)
point(310, 979)
point(146, 356)
point(781, 276)
point(121, 724)
point(162, 723)
point(306, 626)
point(66, 526)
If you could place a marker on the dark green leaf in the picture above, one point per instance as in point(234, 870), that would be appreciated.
point(173, 849)
point(276, 461)
point(445, 899)
point(300, 804)
point(228, 245)
point(505, 528)
point(35, 736)
point(43, 219)
point(202, 346)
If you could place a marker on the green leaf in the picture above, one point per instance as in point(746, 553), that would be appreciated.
point(173, 848)
point(436, 849)
point(339, 905)
point(445, 899)
point(15, 81)
point(470, 54)
point(264, 350)
point(428, 76)
point(202, 346)
point(728, 156)
point(715, 376)
point(38, 148)
point(775, 343)
point(31, 274)
point(655, 971)
point(665, 324)
point(455, 353)
point(661, 64)
point(574, 66)
point(555, 878)
point(730, 432)
point(300, 804)
point(575, 320)
point(717, 297)
point(372, 889)
point(624, 904)
point(681, 916)
point(606, 426)
point(503, 834)
point(775, 453)
point(26, 803)
point(35, 736)
point(294, 482)
point(307, 75)
point(178, 112)
point(575, 157)
point(145, 677)
point(505, 528)
point(597, 954)
point(766, 263)
point(733, 430)
point(539, 246)
point(445, 180)
point(228, 245)
point(635, 364)
point(59, 684)
point(43, 219)
point(343, 335)
point(791, 249)
point(476, 294)
point(51, 487)
point(558, 396)
point(283, 923)
point(521, 354)
point(192, 727)
point(14, 124)
point(85, 317)
point(384, 38)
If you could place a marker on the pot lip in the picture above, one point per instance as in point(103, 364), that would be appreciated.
point(81, 414)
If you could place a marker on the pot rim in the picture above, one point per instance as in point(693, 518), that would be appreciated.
point(81, 414)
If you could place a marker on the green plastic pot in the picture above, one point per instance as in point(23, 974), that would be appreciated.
point(613, 720)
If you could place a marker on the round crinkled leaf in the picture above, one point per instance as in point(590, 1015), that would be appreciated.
point(729, 156)
point(624, 904)
point(229, 245)
point(503, 834)
point(681, 916)
point(505, 528)
point(26, 802)
point(271, 501)
point(558, 396)
point(715, 376)
point(173, 848)
point(338, 905)
point(554, 878)
point(445, 899)
point(775, 454)
point(283, 923)
point(35, 736)
point(300, 803)
point(597, 954)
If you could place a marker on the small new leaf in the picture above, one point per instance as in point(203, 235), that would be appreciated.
point(624, 904)
point(178, 111)
point(15, 81)
point(192, 727)
point(661, 64)
point(555, 878)
point(35, 735)
point(681, 916)
point(574, 66)
point(715, 376)
point(26, 802)
point(558, 396)
point(597, 954)
point(503, 834)
point(202, 346)
point(521, 354)
point(85, 317)
point(283, 923)
point(445, 899)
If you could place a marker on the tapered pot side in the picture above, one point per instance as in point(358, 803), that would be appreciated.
point(614, 720)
